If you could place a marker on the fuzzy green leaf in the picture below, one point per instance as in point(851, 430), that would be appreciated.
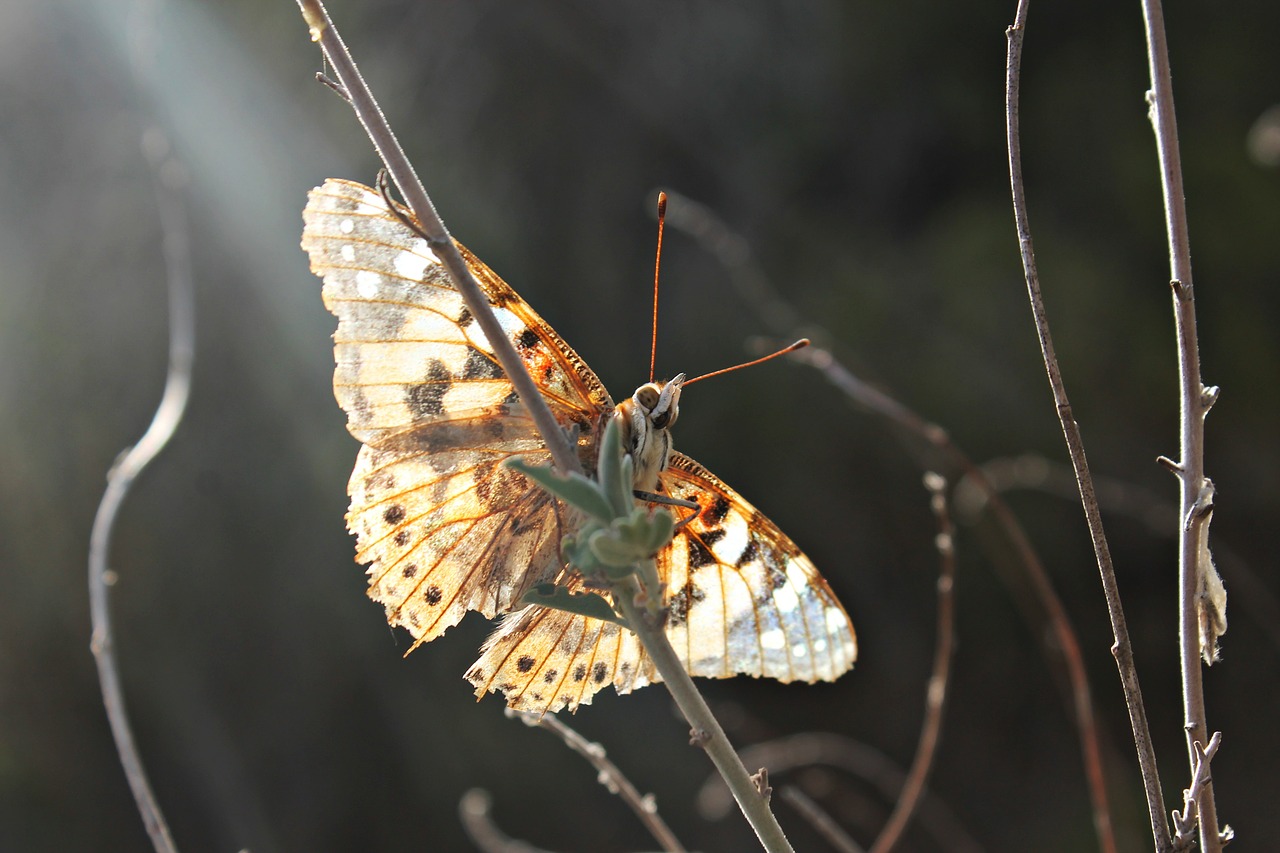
point(581, 603)
point(575, 490)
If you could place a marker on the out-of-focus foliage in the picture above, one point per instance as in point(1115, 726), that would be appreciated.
point(858, 148)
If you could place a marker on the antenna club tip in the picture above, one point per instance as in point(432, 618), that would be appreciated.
point(662, 202)
point(801, 344)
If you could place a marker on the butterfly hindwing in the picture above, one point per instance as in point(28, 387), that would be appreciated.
point(544, 660)
point(741, 599)
point(443, 526)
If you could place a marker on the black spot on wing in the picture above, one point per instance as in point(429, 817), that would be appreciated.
point(712, 536)
point(716, 511)
point(598, 672)
point(527, 340)
point(479, 366)
point(426, 398)
point(699, 554)
point(749, 553)
point(525, 663)
point(393, 514)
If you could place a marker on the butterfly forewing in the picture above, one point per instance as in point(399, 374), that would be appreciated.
point(443, 526)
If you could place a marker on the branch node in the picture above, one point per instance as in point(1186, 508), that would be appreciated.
point(1183, 291)
point(761, 780)
point(1208, 396)
point(1172, 466)
point(336, 87)
point(699, 737)
point(1203, 504)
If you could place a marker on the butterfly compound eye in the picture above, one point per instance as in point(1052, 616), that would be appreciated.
point(646, 396)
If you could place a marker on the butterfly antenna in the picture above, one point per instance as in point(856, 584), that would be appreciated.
point(657, 263)
point(800, 344)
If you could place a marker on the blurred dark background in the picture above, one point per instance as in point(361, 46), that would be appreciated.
point(859, 150)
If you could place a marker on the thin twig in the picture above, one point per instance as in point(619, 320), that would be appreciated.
point(1122, 649)
point(819, 820)
point(645, 626)
point(778, 315)
point(128, 466)
point(1185, 821)
point(643, 805)
point(357, 94)
point(1194, 404)
point(788, 754)
point(475, 810)
point(935, 701)
point(1034, 472)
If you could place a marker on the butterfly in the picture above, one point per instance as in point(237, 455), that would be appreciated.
point(446, 528)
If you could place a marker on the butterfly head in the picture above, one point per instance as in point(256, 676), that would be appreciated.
point(646, 420)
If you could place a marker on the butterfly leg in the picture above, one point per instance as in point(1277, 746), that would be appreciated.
point(667, 500)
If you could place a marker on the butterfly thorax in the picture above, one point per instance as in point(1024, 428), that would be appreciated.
point(646, 419)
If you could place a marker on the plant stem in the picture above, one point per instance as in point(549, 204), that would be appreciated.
point(1122, 649)
point(388, 147)
point(706, 729)
point(131, 463)
point(1194, 406)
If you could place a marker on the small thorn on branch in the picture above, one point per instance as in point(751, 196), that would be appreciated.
point(761, 780)
point(1185, 821)
point(1184, 292)
point(1208, 396)
point(1168, 463)
point(338, 88)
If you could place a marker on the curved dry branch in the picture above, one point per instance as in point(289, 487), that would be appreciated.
point(128, 466)
point(935, 697)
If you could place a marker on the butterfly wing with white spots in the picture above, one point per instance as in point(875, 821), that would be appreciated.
point(742, 599)
point(444, 527)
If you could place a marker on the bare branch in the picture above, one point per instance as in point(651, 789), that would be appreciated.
point(356, 92)
point(788, 754)
point(1122, 649)
point(1195, 402)
point(475, 810)
point(819, 820)
point(643, 805)
point(935, 698)
point(130, 464)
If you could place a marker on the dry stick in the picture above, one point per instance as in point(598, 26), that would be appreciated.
point(610, 776)
point(819, 820)
point(854, 757)
point(1122, 650)
point(1194, 406)
point(931, 728)
point(647, 628)
point(474, 810)
point(775, 312)
point(357, 94)
point(128, 466)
